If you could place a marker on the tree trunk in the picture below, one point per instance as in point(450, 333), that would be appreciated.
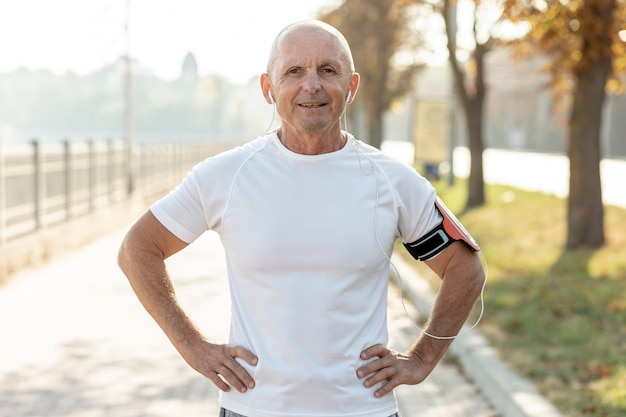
point(472, 97)
point(474, 118)
point(585, 217)
point(375, 129)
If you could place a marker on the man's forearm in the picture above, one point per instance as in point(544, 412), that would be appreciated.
point(149, 279)
point(461, 285)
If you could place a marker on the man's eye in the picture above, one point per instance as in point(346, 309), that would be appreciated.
point(328, 71)
point(293, 71)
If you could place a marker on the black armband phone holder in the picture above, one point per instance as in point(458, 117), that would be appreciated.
point(435, 241)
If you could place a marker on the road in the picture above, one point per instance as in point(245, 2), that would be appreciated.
point(533, 171)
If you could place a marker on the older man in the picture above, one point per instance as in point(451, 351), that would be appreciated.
point(308, 216)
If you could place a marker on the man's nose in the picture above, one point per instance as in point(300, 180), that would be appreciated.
point(312, 82)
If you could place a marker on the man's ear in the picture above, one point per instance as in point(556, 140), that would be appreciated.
point(354, 86)
point(265, 88)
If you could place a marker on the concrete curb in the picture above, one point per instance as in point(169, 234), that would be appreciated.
point(510, 394)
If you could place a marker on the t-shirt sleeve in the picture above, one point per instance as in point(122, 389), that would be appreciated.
point(199, 202)
point(417, 212)
point(181, 211)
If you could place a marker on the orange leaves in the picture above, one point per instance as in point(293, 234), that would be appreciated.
point(575, 34)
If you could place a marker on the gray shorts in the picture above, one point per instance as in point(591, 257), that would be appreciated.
point(228, 413)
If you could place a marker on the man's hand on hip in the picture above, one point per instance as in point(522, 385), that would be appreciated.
point(391, 368)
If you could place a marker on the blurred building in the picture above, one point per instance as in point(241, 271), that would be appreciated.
point(519, 114)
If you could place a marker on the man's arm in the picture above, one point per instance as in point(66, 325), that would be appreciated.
point(142, 259)
point(462, 275)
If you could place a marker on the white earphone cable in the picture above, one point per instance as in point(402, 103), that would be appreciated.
point(399, 277)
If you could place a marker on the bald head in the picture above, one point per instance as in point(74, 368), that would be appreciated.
point(309, 26)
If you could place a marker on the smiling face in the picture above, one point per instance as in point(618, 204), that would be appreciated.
point(310, 75)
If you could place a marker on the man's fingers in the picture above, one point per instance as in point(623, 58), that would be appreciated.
point(217, 381)
point(373, 351)
point(243, 353)
point(376, 351)
point(390, 370)
point(382, 375)
point(233, 372)
point(218, 362)
point(236, 376)
point(386, 389)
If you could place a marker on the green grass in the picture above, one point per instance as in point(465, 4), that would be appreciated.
point(558, 317)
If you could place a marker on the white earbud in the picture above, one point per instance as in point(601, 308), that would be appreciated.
point(348, 96)
point(269, 94)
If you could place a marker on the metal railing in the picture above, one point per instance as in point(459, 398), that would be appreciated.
point(42, 185)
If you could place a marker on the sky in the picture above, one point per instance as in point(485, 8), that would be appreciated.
point(231, 37)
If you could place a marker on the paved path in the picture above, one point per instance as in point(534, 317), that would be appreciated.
point(548, 173)
point(75, 342)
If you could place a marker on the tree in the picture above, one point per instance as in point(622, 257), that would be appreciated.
point(469, 82)
point(582, 40)
point(377, 31)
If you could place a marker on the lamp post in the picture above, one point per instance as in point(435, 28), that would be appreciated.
point(128, 104)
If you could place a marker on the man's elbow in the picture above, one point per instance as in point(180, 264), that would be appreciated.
point(130, 252)
point(477, 274)
point(123, 255)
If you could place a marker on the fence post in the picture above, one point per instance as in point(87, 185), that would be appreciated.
point(38, 184)
point(130, 168)
point(110, 170)
point(67, 159)
point(3, 199)
point(92, 175)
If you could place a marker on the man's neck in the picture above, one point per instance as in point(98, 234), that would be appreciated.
point(312, 144)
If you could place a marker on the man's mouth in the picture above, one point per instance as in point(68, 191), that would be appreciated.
point(312, 105)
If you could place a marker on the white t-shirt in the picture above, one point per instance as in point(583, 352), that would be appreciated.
point(307, 242)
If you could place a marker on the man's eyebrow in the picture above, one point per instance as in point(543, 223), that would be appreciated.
point(336, 65)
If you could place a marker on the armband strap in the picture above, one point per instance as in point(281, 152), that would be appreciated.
point(448, 231)
point(430, 245)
